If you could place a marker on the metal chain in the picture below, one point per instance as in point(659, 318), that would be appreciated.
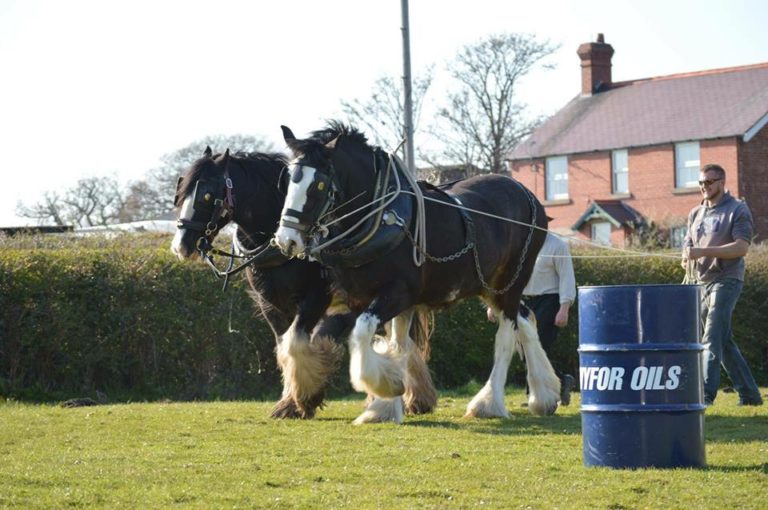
point(523, 255)
point(448, 258)
point(472, 246)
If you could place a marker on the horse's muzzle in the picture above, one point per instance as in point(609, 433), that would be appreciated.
point(289, 241)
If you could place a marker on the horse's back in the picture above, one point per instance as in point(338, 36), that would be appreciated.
point(494, 193)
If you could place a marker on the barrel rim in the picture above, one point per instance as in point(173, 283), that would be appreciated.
point(641, 408)
point(635, 286)
point(634, 347)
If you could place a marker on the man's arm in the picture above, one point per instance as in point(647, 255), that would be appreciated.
point(734, 250)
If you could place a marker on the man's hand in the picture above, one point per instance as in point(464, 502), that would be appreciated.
point(561, 319)
point(691, 253)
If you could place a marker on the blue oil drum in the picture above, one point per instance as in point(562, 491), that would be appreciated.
point(640, 374)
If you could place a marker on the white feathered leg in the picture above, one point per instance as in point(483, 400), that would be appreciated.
point(379, 373)
point(543, 383)
point(489, 401)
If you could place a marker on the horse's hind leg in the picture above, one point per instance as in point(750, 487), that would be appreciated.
point(420, 395)
point(543, 383)
point(489, 401)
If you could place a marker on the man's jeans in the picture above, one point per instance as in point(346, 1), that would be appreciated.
point(717, 304)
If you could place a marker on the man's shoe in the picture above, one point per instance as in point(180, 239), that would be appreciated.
point(565, 389)
point(750, 402)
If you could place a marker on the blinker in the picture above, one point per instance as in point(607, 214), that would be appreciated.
point(298, 174)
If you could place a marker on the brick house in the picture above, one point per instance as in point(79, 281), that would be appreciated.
point(625, 155)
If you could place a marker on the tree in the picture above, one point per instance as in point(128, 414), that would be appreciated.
point(380, 116)
point(99, 200)
point(484, 119)
point(92, 201)
point(153, 196)
point(48, 209)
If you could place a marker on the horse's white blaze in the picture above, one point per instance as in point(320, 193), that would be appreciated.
point(288, 239)
point(379, 373)
point(187, 209)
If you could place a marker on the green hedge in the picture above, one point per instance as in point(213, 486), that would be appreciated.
point(463, 340)
point(133, 323)
point(123, 317)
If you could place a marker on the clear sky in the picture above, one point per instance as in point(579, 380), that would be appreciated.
point(102, 87)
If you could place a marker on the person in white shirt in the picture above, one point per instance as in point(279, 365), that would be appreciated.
point(550, 293)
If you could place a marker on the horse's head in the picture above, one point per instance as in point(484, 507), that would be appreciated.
point(309, 194)
point(204, 204)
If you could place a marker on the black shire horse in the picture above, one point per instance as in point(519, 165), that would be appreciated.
point(293, 295)
point(473, 239)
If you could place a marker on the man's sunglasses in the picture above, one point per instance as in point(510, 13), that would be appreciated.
point(709, 182)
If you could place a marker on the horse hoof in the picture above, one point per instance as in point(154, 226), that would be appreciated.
point(538, 408)
point(287, 409)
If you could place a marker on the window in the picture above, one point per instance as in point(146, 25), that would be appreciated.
point(556, 171)
point(677, 236)
point(601, 232)
point(687, 164)
point(620, 171)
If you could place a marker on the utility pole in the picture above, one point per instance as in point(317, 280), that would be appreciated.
point(408, 102)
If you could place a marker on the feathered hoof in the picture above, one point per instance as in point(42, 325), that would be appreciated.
point(287, 408)
point(419, 404)
point(383, 387)
point(539, 407)
point(485, 411)
point(382, 411)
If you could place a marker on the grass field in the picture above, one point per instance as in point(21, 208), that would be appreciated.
point(231, 455)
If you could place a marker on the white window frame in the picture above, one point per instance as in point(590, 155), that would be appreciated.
point(599, 232)
point(620, 171)
point(556, 177)
point(687, 164)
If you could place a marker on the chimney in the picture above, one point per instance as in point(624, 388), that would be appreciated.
point(595, 66)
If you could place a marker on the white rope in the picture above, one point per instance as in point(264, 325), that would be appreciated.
point(420, 232)
point(632, 253)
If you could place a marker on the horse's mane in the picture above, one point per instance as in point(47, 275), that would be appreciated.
point(247, 159)
point(333, 129)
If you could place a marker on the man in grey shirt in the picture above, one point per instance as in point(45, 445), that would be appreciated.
point(719, 234)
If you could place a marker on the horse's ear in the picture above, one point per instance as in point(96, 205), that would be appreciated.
point(208, 152)
point(225, 158)
point(290, 139)
point(332, 144)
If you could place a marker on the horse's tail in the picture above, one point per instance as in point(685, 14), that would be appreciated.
point(422, 327)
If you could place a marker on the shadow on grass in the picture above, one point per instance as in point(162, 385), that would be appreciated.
point(717, 429)
point(514, 426)
point(759, 468)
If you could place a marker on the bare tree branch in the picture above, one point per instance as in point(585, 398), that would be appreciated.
point(484, 119)
point(380, 116)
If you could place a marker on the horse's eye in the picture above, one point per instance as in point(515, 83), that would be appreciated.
point(297, 174)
